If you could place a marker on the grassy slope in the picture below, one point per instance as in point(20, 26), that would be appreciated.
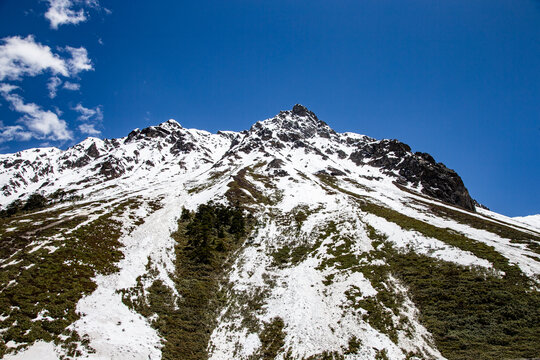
point(41, 286)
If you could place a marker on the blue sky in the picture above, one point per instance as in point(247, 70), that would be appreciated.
point(457, 79)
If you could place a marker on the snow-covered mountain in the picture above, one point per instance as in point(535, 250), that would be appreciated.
point(287, 241)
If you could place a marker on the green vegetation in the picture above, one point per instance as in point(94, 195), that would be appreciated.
point(354, 345)
point(515, 236)
point(272, 339)
point(382, 355)
point(34, 202)
point(292, 256)
point(378, 315)
point(470, 312)
point(331, 181)
point(51, 269)
point(480, 222)
point(206, 231)
point(387, 303)
point(17, 232)
point(358, 185)
point(204, 242)
point(242, 191)
point(448, 236)
point(37, 201)
point(300, 216)
point(473, 313)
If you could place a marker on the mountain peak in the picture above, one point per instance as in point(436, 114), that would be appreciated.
point(300, 110)
point(170, 124)
point(300, 121)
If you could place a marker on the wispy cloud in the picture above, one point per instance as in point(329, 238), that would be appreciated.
point(89, 114)
point(89, 129)
point(39, 123)
point(71, 86)
point(90, 118)
point(17, 132)
point(53, 85)
point(21, 57)
point(63, 12)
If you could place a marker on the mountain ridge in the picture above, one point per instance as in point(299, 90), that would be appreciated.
point(395, 158)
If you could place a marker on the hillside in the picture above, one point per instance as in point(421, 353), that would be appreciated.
point(285, 241)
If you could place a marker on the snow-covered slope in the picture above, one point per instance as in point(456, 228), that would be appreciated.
point(139, 160)
point(531, 220)
point(348, 240)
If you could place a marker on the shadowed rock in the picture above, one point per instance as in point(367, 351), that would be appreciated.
point(436, 179)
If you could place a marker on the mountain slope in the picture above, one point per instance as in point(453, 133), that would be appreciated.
point(531, 220)
point(348, 247)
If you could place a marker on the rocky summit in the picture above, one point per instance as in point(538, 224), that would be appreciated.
point(285, 241)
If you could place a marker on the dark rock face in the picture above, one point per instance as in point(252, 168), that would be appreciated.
point(80, 162)
point(300, 110)
point(151, 132)
point(93, 151)
point(436, 179)
point(276, 164)
point(155, 132)
point(335, 172)
point(112, 168)
point(182, 145)
point(296, 126)
point(330, 171)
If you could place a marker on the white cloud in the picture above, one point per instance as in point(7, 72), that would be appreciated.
point(53, 85)
point(42, 124)
point(71, 86)
point(58, 111)
point(93, 4)
point(89, 114)
point(60, 13)
point(7, 88)
point(90, 117)
point(17, 132)
point(23, 56)
point(89, 129)
point(79, 60)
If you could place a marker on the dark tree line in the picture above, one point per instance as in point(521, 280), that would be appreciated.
point(37, 201)
point(210, 228)
point(34, 202)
